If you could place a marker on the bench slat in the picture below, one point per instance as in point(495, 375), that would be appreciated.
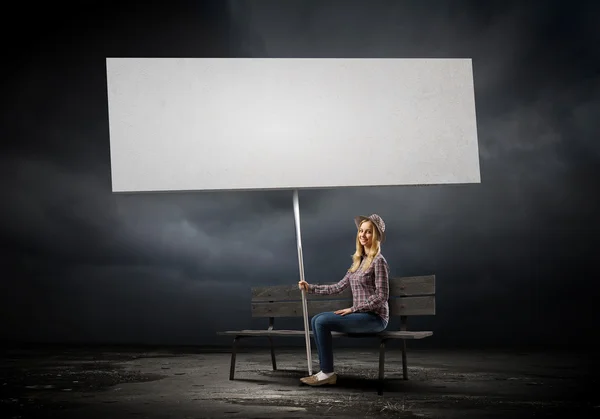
point(401, 306)
point(412, 306)
point(294, 308)
point(291, 292)
point(412, 285)
point(401, 286)
point(300, 333)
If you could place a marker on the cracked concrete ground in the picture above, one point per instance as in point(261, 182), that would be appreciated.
point(194, 383)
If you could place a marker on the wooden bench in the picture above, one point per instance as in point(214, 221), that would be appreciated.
point(409, 296)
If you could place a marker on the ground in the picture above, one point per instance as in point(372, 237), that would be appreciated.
point(102, 382)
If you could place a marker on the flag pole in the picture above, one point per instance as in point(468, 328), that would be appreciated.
point(301, 265)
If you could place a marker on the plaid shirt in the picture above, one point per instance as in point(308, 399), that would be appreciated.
point(370, 289)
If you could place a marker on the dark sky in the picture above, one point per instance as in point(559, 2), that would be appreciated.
point(514, 256)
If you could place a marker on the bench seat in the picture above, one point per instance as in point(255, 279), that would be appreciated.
point(396, 334)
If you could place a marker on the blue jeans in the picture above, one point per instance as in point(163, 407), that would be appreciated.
point(323, 324)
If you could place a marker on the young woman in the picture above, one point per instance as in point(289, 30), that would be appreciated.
point(368, 281)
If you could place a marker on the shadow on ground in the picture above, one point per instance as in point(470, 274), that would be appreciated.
point(129, 382)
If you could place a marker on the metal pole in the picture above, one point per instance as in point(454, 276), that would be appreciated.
point(301, 265)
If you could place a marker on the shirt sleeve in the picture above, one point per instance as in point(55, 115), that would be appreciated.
point(330, 288)
point(382, 289)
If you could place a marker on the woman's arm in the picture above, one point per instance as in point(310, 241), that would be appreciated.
point(330, 289)
point(382, 289)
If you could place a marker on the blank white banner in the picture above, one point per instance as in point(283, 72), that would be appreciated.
point(185, 124)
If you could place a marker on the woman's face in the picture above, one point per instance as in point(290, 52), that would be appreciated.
point(365, 234)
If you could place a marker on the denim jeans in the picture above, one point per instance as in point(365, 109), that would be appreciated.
point(323, 324)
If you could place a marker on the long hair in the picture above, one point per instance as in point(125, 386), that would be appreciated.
point(373, 251)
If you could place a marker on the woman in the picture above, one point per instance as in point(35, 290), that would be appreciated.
point(368, 281)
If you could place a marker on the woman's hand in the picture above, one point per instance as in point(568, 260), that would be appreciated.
point(302, 284)
point(343, 311)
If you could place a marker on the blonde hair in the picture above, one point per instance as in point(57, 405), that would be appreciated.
point(373, 251)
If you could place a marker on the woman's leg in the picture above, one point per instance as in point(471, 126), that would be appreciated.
point(359, 323)
point(316, 336)
point(325, 323)
point(323, 340)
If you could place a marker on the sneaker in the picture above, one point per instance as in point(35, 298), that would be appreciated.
point(312, 380)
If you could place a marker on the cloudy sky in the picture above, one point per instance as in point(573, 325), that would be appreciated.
point(513, 256)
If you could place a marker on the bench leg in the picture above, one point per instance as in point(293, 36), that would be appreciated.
point(381, 366)
point(233, 353)
point(404, 366)
point(272, 354)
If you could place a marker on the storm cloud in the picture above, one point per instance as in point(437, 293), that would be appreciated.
point(514, 256)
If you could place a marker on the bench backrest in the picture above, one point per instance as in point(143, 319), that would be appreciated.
point(409, 296)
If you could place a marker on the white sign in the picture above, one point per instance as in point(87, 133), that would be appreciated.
point(193, 124)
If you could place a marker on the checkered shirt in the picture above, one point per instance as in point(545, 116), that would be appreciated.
point(370, 289)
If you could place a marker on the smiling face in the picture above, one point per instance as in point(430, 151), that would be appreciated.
point(365, 234)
